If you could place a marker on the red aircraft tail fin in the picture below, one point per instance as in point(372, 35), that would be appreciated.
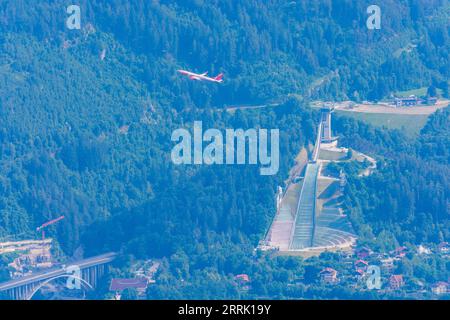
point(219, 77)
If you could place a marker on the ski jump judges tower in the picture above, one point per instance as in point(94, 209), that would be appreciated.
point(327, 137)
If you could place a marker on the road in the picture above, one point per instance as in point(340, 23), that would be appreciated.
point(42, 276)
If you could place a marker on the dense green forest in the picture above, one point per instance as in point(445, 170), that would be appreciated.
point(407, 197)
point(90, 138)
point(267, 49)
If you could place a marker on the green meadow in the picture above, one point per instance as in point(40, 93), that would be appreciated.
point(411, 124)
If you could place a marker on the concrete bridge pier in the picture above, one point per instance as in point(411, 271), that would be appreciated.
point(93, 274)
point(20, 293)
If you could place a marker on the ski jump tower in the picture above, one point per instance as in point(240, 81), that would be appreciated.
point(327, 137)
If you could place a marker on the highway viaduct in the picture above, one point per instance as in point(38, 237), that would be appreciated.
point(91, 270)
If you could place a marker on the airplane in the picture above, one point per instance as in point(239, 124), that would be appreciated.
point(202, 77)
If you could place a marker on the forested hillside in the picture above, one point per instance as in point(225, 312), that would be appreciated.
point(406, 200)
point(56, 159)
point(88, 136)
point(266, 49)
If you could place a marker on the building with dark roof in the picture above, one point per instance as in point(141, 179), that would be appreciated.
point(328, 275)
point(119, 284)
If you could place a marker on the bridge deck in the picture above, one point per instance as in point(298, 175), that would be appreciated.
point(42, 276)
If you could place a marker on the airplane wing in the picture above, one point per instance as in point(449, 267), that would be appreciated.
point(204, 74)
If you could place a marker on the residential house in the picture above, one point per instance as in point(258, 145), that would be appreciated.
point(363, 253)
point(328, 275)
point(387, 265)
point(400, 252)
point(118, 285)
point(444, 247)
point(406, 102)
point(361, 266)
point(396, 282)
point(243, 281)
point(440, 288)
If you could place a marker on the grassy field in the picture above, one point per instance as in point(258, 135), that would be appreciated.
point(416, 92)
point(411, 124)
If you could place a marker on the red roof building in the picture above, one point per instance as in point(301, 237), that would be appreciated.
point(400, 252)
point(242, 278)
point(396, 282)
point(361, 263)
point(361, 266)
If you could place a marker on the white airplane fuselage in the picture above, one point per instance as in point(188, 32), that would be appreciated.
point(201, 77)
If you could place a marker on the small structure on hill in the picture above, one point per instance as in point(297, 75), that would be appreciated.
point(243, 281)
point(413, 101)
point(329, 276)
